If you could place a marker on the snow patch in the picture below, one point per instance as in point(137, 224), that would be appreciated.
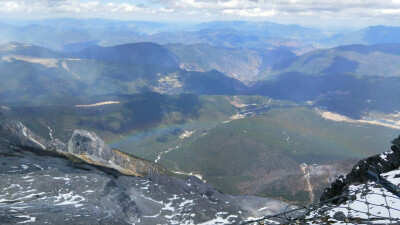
point(190, 174)
point(61, 178)
point(374, 201)
point(185, 202)
point(41, 168)
point(30, 218)
point(150, 199)
point(69, 199)
point(219, 220)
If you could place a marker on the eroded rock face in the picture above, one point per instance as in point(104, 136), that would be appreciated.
point(19, 134)
point(90, 148)
point(83, 146)
point(381, 163)
point(57, 145)
point(88, 143)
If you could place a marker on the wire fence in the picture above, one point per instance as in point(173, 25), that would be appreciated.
point(376, 202)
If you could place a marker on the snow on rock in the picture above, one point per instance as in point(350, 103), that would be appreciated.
point(367, 204)
point(363, 201)
point(70, 198)
point(392, 176)
point(380, 163)
point(29, 219)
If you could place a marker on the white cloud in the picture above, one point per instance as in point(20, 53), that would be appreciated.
point(262, 8)
point(73, 6)
point(256, 12)
point(233, 9)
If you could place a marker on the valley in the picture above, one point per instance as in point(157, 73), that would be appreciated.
point(241, 138)
point(249, 132)
point(109, 120)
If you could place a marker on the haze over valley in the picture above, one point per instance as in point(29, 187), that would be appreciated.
point(240, 107)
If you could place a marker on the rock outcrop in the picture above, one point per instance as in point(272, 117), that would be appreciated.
point(381, 163)
point(83, 146)
point(88, 147)
point(355, 199)
point(19, 134)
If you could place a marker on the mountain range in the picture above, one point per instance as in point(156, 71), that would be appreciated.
point(271, 110)
point(70, 34)
point(365, 60)
point(333, 78)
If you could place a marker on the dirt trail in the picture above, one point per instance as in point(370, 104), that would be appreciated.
point(304, 169)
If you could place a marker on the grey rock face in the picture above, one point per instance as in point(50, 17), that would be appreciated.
point(90, 148)
point(88, 143)
point(381, 163)
point(57, 145)
point(20, 135)
point(339, 216)
point(83, 146)
point(43, 189)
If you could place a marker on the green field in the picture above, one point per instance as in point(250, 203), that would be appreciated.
point(272, 146)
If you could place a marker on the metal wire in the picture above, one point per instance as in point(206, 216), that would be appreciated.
point(318, 213)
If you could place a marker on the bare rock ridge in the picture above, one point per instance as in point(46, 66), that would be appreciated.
point(88, 147)
point(380, 163)
point(83, 146)
point(18, 134)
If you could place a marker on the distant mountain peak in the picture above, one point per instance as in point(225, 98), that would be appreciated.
point(143, 53)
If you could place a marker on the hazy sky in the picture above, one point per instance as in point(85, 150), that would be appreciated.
point(350, 13)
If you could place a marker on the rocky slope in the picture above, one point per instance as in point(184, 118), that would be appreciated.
point(83, 146)
point(40, 184)
point(381, 163)
point(360, 199)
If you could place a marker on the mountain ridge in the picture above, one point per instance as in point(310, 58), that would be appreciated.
point(83, 146)
point(143, 53)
